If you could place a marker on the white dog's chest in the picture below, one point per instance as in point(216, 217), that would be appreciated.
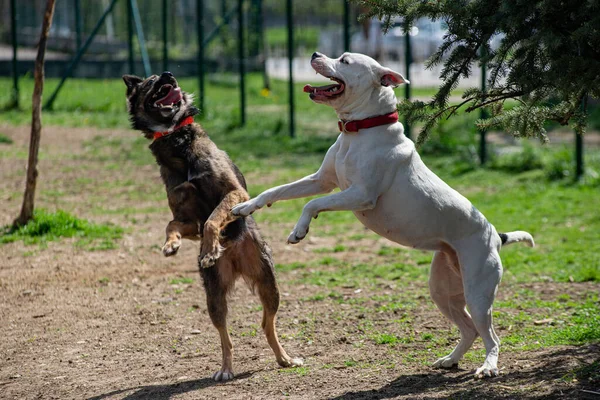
point(345, 164)
point(408, 193)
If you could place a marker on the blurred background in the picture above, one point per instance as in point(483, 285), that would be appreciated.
point(249, 49)
point(318, 25)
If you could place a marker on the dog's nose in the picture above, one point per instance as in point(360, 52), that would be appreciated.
point(316, 55)
point(166, 74)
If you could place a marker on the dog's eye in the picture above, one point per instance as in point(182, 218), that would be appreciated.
point(151, 81)
point(344, 60)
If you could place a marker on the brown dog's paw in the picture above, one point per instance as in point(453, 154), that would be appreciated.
point(171, 248)
point(291, 362)
point(208, 257)
point(223, 375)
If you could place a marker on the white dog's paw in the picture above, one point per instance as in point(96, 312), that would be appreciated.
point(445, 362)
point(223, 375)
point(297, 235)
point(246, 208)
point(486, 371)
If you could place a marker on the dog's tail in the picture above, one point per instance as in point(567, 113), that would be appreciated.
point(516, 236)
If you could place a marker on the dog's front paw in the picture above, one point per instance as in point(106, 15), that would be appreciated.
point(171, 247)
point(209, 254)
point(223, 375)
point(297, 235)
point(246, 208)
point(209, 259)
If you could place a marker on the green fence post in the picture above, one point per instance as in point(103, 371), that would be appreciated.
point(290, 45)
point(200, 29)
point(77, 7)
point(578, 156)
point(224, 15)
point(130, 38)
point(579, 169)
point(13, 34)
point(482, 111)
point(165, 52)
point(242, 67)
point(140, 36)
point(253, 41)
point(407, 88)
point(346, 25)
point(262, 48)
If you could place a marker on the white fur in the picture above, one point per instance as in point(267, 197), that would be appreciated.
point(391, 191)
point(519, 236)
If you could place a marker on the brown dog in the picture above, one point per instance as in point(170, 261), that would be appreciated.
point(202, 185)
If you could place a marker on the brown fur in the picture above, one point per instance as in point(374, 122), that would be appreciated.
point(202, 186)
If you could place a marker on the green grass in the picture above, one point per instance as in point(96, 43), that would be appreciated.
point(301, 371)
point(5, 139)
point(46, 227)
point(529, 190)
point(385, 338)
point(570, 322)
point(181, 280)
point(306, 37)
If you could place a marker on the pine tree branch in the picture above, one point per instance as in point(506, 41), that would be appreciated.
point(494, 100)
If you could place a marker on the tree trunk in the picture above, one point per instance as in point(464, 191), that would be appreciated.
point(36, 122)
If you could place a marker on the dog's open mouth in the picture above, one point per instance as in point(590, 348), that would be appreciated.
point(167, 97)
point(327, 91)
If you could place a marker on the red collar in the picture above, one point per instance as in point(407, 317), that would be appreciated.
point(186, 121)
point(355, 126)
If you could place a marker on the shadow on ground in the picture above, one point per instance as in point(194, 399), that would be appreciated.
point(574, 373)
point(165, 392)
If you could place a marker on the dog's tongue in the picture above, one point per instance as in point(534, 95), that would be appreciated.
point(172, 97)
point(327, 90)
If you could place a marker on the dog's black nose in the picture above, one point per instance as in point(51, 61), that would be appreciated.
point(316, 54)
point(166, 74)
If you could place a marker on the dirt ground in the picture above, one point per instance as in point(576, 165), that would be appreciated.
point(130, 324)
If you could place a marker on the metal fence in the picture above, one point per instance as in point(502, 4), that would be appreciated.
point(108, 38)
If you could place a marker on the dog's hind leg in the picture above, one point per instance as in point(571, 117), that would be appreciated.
point(446, 288)
point(259, 272)
point(217, 284)
point(269, 296)
point(482, 272)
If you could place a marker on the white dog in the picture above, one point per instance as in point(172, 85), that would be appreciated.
point(389, 189)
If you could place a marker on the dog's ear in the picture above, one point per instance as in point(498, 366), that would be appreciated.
point(391, 78)
point(131, 81)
